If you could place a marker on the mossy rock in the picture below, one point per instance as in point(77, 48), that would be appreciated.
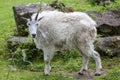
point(14, 42)
point(109, 46)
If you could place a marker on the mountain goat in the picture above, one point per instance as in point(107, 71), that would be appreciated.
point(54, 30)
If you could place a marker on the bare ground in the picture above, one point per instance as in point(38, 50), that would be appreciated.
point(88, 75)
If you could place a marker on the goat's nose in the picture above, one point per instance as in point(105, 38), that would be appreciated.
point(33, 35)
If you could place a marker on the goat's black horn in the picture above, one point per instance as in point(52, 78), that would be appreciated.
point(37, 15)
point(30, 16)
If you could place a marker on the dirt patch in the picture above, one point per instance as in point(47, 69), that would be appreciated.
point(88, 75)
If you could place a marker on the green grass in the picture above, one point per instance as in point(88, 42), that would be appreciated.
point(61, 66)
point(113, 74)
point(64, 64)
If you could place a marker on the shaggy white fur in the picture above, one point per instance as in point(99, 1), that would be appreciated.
point(61, 31)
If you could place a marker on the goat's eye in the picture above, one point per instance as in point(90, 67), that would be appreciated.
point(28, 24)
point(37, 24)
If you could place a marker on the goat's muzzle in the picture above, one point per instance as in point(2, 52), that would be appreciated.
point(33, 35)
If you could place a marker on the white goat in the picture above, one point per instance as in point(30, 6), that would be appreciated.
point(53, 30)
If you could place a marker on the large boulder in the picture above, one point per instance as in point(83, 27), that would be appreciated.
point(109, 46)
point(108, 22)
point(97, 16)
point(26, 10)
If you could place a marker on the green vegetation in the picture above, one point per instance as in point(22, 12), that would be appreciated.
point(63, 62)
point(111, 75)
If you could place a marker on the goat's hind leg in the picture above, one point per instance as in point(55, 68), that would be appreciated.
point(84, 65)
point(97, 59)
point(87, 50)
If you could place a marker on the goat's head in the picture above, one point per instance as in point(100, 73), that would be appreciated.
point(33, 23)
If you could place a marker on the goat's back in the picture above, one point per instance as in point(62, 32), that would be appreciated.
point(64, 28)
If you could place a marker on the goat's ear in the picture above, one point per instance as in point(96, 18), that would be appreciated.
point(25, 19)
point(40, 18)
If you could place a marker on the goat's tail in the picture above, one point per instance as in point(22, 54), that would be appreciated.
point(93, 33)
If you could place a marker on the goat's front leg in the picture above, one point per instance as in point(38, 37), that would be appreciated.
point(47, 68)
point(48, 54)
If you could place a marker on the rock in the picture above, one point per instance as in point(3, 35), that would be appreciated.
point(26, 10)
point(97, 16)
point(108, 22)
point(101, 2)
point(12, 68)
point(14, 41)
point(111, 23)
point(108, 46)
point(61, 6)
point(112, 17)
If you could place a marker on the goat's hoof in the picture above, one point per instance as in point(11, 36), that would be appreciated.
point(100, 72)
point(97, 74)
point(46, 74)
point(80, 73)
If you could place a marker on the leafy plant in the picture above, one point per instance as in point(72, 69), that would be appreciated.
point(115, 5)
point(31, 54)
